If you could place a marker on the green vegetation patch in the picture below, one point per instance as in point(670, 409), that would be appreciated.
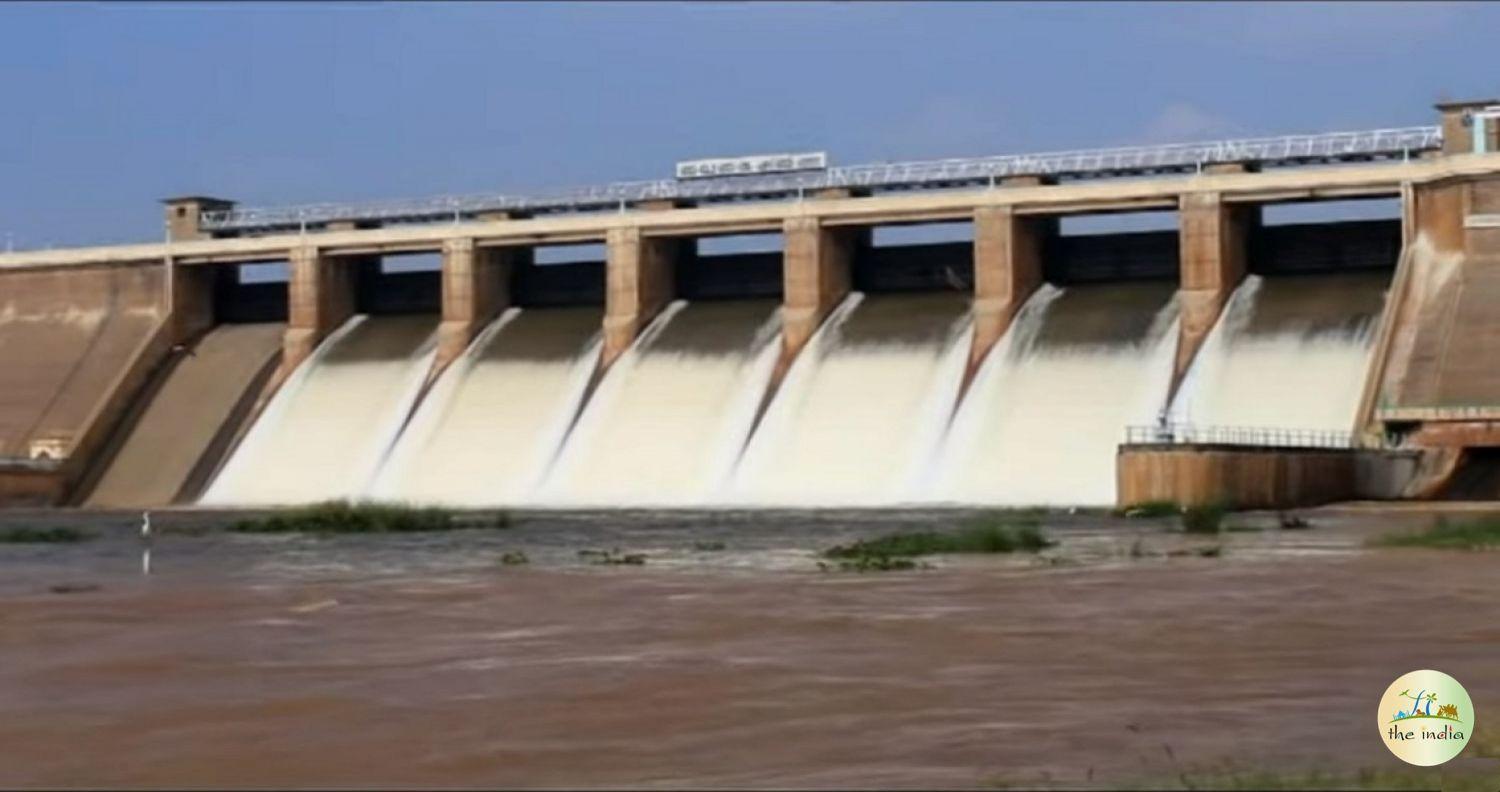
point(337, 517)
point(25, 535)
point(613, 557)
point(999, 533)
point(985, 537)
point(1153, 508)
point(1478, 534)
point(1205, 519)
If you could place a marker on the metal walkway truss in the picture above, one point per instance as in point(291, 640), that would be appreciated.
point(1268, 152)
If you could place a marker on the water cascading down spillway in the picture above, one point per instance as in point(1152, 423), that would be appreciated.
point(329, 427)
point(861, 410)
point(1290, 352)
point(667, 422)
point(1052, 400)
point(490, 427)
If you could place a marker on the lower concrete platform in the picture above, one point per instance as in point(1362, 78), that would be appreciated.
point(1260, 477)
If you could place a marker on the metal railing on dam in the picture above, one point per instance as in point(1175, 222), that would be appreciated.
point(1188, 434)
point(930, 174)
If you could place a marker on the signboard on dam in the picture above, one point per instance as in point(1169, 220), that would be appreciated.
point(752, 165)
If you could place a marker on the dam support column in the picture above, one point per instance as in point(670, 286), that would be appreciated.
point(1007, 269)
point(476, 287)
point(1212, 239)
point(817, 272)
point(190, 306)
point(641, 275)
point(320, 297)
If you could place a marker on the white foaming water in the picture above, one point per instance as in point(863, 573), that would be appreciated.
point(1050, 403)
point(860, 411)
point(330, 425)
point(1289, 352)
point(491, 425)
point(668, 420)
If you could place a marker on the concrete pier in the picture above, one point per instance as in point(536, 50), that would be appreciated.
point(640, 272)
point(320, 297)
point(817, 266)
point(1213, 238)
point(1007, 269)
point(476, 288)
point(191, 301)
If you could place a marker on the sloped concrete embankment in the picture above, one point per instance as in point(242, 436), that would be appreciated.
point(181, 425)
point(75, 346)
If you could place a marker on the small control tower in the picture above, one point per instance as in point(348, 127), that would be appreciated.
point(1470, 127)
point(183, 215)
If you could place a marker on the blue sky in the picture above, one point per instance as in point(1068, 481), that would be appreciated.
point(107, 108)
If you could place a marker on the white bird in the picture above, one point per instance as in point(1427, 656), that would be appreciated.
point(954, 282)
point(146, 539)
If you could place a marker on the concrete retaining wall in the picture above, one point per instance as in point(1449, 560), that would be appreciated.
point(1264, 478)
point(74, 346)
point(1239, 477)
point(64, 338)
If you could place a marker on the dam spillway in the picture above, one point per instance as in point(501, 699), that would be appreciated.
point(861, 411)
point(1290, 352)
point(490, 428)
point(668, 421)
point(867, 374)
point(1047, 408)
point(871, 412)
point(328, 430)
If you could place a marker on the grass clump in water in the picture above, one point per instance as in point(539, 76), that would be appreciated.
point(612, 557)
point(895, 551)
point(1151, 508)
point(1480, 534)
point(1205, 519)
point(60, 535)
point(514, 558)
point(334, 517)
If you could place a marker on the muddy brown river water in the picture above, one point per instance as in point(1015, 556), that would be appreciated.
point(248, 661)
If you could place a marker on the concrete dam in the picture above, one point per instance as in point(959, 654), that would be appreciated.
point(1227, 355)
